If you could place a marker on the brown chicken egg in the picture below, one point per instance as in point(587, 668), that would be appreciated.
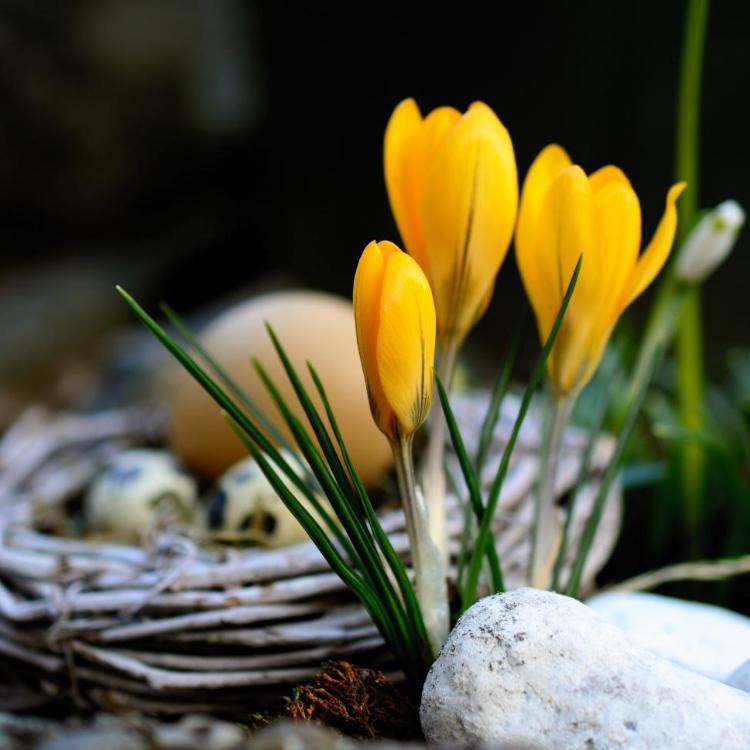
point(311, 326)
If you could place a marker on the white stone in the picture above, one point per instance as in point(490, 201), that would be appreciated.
point(542, 671)
point(707, 639)
point(740, 678)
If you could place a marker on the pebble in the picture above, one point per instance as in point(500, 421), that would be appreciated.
point(542, 671)
point(704, 638)
point(740, 678)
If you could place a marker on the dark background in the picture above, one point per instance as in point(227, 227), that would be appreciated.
point(190, 147)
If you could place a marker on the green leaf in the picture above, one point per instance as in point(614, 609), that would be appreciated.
point(361, 589)
point(382, 602)
point(466, 533)
point(498, 394)
point(216, 392)
point(397, 566)
point(472, 484)
point(469, 593)
point(356, 530)
point(324, 440)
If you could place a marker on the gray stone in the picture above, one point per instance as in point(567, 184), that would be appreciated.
point(707, 639)
point(541, 671)
point(740, 678)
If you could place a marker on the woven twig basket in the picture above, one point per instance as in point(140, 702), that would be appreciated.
point(176, 627)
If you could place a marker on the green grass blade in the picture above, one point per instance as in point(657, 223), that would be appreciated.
point(394, 561)
point(466, 532)
point(235, 412)
point(384, 615)
point(472, 484)
point(369, 598)
point(498, 394)
point(355, 528)
point(324, 440)
point(469, 593)
point(339, 501)
point(215, 391)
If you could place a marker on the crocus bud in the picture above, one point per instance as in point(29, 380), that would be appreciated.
point(565, 213)
point(394, 314)
point(453, 189)
point(710, 242)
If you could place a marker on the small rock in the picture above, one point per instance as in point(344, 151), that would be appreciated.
point(707, 639)
point(296, 735)
point(95, 738)
point(740, 678)
point(197, 732)
point(541, 671)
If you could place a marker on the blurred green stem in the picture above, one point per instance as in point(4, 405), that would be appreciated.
point(690, 357)
point(690, 398)
point(676, 304)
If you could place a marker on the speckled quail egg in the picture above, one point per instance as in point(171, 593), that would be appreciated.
point(140, 491)
point(244, 507)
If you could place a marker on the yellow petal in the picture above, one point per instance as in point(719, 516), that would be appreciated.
point(470, 205)
point(406, 341)
point(655, 255)
point(542, 171)
point(617, 227)
point(425, 147)
point(401, 135)
point(605, 175)
point(564, 232)
point(533, 260)
point(368, 289)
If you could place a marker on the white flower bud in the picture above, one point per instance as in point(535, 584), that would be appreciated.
point(710, 242)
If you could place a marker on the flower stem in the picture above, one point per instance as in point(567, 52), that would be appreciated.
point(544, 536)
point(427, 559)
point(433, 473)
point(690, 357)
point(690, 374)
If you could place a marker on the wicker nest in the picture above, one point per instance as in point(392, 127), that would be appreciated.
point(176, 627)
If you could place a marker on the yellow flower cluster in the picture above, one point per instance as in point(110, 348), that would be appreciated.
point(453, 187)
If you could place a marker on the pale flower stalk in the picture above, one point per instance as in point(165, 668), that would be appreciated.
point(710, 242)
point(394, 315)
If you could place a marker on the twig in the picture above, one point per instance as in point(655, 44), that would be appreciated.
point(701, 570)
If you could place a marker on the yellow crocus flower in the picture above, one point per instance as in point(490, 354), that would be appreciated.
point(564, 213)
point(394, 315)
point(453, 188)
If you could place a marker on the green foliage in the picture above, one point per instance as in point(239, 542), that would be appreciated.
point(356, 547)
point(485, 513)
